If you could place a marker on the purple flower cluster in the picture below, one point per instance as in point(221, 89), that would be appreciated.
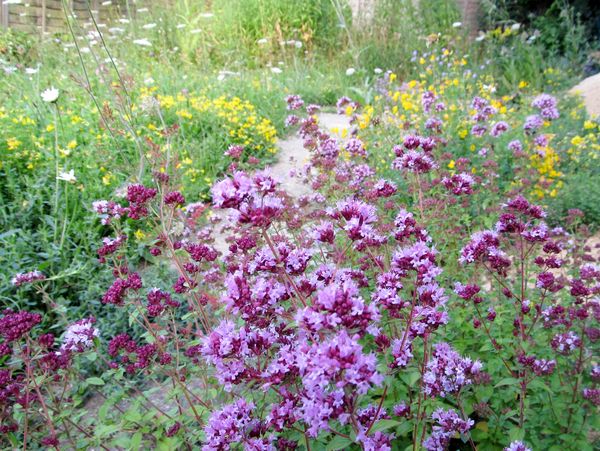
point(448, 424)
point(294, 102)
point(592, 395)
point(343, 103)
point(108, 210)
point(517, 446)
point(110, 246)
point(547, 106)
point(328, 369)
point(532, 123)
point(15, 325)
point(174, 198)
point(447, 372)
point(384, 188)
point(159, 301)
point(483, 110)
point(459, 184)
point(27, 277)
point(135, 357)
point(80, 335)
point(484, 247)
point(338, 304)
point(358, 219)
point(355, 147)
point(516, 147)
point(138, 196)
point(565, 343)
point(499, 128)
point(414, 161)
point(118, 290)
point(254, 198)
point(234, 151)
point(234, 424)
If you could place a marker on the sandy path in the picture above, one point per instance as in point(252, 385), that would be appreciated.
point(292, 157)
point(589, 89)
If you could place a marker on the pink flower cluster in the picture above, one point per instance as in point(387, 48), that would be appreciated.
point(27, 277)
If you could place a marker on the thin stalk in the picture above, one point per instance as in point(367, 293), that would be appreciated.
point(56, 171)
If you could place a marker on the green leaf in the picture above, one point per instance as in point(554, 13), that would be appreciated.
point(411, 378)
point(105, 430)
point(189, 315)
point(338, 442)
point(103, 411)
point(136, 441)
point(133, 415)
point(507, 381)
point(133, 316)
point(516, 433)
point(537, 383)
point(382, 425)
point(94, 381)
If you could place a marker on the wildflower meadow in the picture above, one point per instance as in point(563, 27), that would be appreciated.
point(284, 225)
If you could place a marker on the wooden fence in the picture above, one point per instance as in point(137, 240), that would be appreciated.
point(48, 16)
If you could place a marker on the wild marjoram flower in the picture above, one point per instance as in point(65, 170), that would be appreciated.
point(322, 319)
point(80, 335)
point(25, 278)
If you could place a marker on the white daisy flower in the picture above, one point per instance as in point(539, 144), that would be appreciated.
point(143, 42)
point(50, 95)
point(67, 176)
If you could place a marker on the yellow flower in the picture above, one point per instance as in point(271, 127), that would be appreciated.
point(13, 143)
point(72, 144)
point(139, 234)
point(451, 164)
point(577, 140)
point(50, 128)
point(166, 101)
point(184, 114)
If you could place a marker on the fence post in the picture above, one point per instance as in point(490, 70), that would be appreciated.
point(4, 14)
point(96, 9)
point(43, 17)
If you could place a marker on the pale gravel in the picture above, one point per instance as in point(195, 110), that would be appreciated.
point(589, 90)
